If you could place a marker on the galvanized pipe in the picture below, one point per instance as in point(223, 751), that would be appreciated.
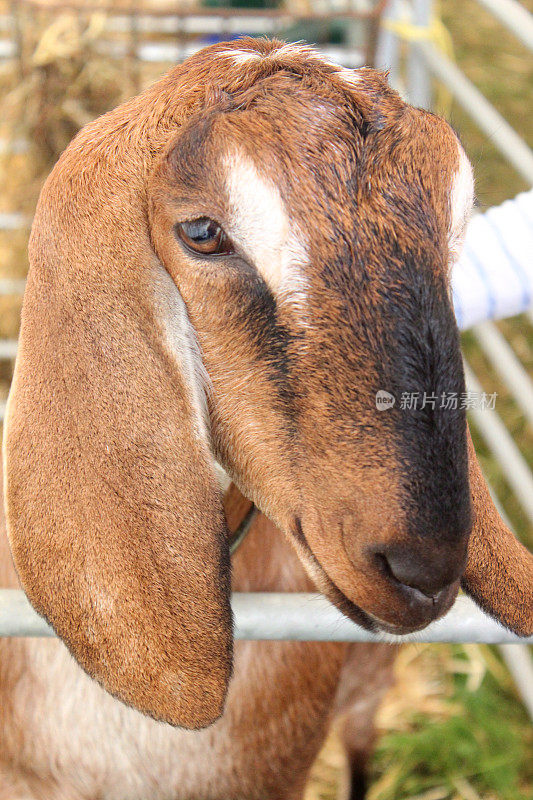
point(169, 53)
point(514, 16)
point(388, 45)
point(500, 133)
point(294, 617)
point(520, 665)
point(501, 443)
point(418, 79)
point(503, 359)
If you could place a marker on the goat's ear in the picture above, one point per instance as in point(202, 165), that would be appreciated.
point(114, 514)
point(499, 572)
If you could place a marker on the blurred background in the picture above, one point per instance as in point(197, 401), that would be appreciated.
point(456, 726)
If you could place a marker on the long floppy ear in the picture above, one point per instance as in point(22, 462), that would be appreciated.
point(499, 572)
point(114, 514)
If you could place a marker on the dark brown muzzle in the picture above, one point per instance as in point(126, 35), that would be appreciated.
point(393, 481)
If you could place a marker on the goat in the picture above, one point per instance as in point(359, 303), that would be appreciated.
point(230, 266)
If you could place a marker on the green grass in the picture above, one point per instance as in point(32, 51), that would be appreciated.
point(485, 744)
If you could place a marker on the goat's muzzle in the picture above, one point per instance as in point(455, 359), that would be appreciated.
point(380, 577)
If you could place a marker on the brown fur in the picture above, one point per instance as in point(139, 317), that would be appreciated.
point(499, 572)
point(89, 746)
point(113, 511)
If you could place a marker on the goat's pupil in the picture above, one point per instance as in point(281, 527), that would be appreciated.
point(201, 230)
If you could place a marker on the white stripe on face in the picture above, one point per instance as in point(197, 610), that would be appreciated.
point(260, 225)
point(461, 201)
point(283, 52)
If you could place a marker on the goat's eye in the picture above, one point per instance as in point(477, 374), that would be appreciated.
point(204, 236)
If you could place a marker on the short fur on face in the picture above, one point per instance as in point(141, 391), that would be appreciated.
point(140, 363)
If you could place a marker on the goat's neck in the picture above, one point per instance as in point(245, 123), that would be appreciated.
point(265, 561)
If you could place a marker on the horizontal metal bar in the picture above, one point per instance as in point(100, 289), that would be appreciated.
point(12, 286)
point(170, 53)
point(294, 617)
point(514, 16)
point(358, 10)
point(194, 23)
point(161, 52)
point(498, 130)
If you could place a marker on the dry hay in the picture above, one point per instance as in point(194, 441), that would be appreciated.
point(60, 81)
point(424, 686)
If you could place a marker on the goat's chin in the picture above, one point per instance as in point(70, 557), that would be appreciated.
point(347, 606)
point(360, 616)
point(366, 619)
point(325, 584)
point(443, 607)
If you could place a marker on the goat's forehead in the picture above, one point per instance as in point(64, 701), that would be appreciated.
point(282, 168)
point(282, 235)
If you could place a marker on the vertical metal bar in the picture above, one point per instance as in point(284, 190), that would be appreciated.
point(520, 665)
point(18, 37)
point(387, 49)
point(418, 77)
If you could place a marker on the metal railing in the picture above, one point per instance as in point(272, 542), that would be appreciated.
point(294, 617)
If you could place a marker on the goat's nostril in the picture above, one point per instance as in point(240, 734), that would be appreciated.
point(410, 573)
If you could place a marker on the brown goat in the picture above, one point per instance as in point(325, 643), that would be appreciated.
point(231, 266)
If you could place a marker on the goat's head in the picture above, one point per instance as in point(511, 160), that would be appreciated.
point(237, 273)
